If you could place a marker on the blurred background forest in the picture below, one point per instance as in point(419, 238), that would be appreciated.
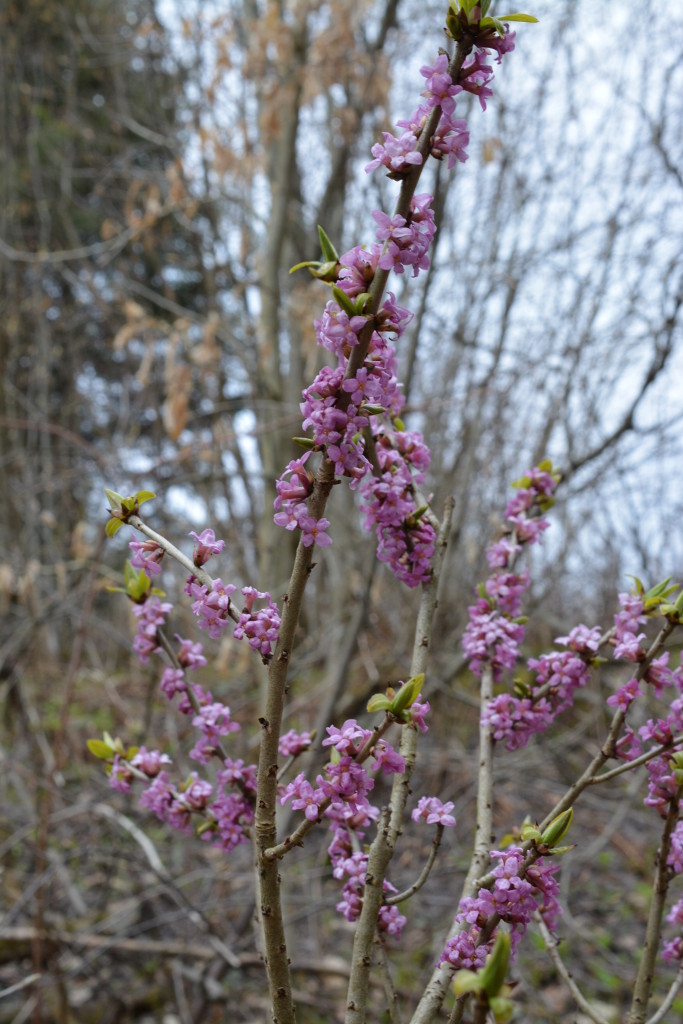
point(162, 165)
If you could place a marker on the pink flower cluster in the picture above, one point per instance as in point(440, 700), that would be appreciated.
point(492, 637)
point(558, 676)
point(339, 408)
point(151, 615)
point(628, 647)
point(672, 951)
point(517, 892)
point(406, 244)
point(434, 812)
point(406, 541)
point(293, 743)
point(260, 627)
point(224, 809)
point(147, 556)
point(224, 817)
point(341, 795)
point(450, 138)
point(213, 606)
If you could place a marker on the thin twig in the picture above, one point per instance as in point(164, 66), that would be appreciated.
point(423, 876)
point(390, 993)
point(201, 575)
point(670, 996)
point(638, 761)
point(551, 946)
point(391, 821)
point(660, 885)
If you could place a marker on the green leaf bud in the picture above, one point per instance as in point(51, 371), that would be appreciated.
point(558, 828)
point(407, 695)
point(502, 1009)
point(493, 974)
point(467, 981)
point(530, 833)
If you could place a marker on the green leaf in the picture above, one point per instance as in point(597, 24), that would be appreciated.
point(304, 442)
point(557, 850)
point(330, 254)
point(100, 749)
point(112, 527)
point(306, 263)
point(378, 702)
point(493, 23)
point(344, 300)
point(640, 589)
point(143, 496)
point(529, 18)
point(114, 498)
point(524, 481)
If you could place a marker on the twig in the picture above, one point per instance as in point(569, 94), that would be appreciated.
point(670, 996)
point(551, 946)
point(389, 826)
point(24, 983)
point(643, 985)
point(390, 993)
point(423, 876)
point(201, 575)
point(637, 761)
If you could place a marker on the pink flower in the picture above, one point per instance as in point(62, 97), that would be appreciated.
point(440, 90)
point(212, 607)
point(387, 759)
point(625, 695)
point(629, 647)
point(148, 556)
point(150, 761)
point(304, 797)
point(397, 155)
point(313, 532)
point(347, 740)
point(207, 545)
point(431, 810)
point(294, 743)
point(121, 775)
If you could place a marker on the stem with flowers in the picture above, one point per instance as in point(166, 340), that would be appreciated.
point(352, 413)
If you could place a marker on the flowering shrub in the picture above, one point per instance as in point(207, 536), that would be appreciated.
point(351, 411)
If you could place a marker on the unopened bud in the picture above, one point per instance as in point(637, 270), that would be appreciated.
point(557, 828)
